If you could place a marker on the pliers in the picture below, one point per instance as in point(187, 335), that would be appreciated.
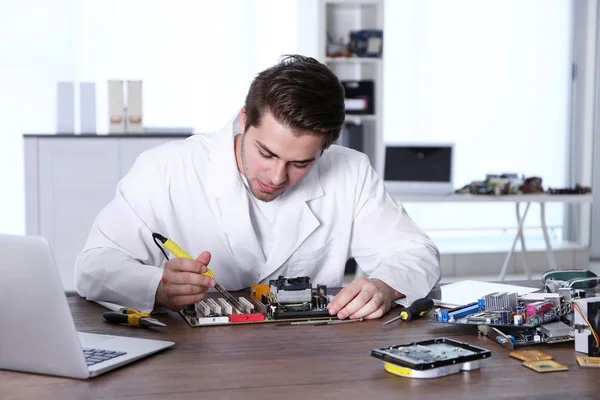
point(131, 317)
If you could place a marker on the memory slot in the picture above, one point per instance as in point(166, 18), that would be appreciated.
point(460, 312)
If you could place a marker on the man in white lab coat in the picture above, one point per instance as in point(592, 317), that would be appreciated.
point(266, 196)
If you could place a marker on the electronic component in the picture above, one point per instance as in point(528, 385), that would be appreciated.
point(530, 355)
point(431, 358)
point(291, 290)
point(587, 326)
point(545, 366)
point(501, 301)
point(458, 312)
point(538, 308)
point(258, 290)
point(502, 309)
point(513, 339)
point(238, 318)
point(528, 298)
point(289, 299)
point(248, 307)
point(588, 362)
point(556, 329)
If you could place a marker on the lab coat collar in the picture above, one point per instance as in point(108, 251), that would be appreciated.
point(295, 220)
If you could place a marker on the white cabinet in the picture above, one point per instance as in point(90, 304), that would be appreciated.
point(68, 180)
point(337, 18)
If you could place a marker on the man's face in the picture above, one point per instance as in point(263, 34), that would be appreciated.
point(273, 159)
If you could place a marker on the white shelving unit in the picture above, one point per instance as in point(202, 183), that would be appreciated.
point(337, 18)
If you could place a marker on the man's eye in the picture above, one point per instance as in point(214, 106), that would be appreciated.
point(301, 165)
point(263, 155)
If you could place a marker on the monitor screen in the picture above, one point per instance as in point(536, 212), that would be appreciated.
point(418, 163)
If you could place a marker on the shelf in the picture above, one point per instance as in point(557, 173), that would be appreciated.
point(352, 2)
point(353, 60)
point(357, 119)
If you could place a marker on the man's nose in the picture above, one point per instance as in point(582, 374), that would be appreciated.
point(279, 174)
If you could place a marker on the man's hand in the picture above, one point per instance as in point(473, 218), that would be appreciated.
point(182, 282)
point(363, 298)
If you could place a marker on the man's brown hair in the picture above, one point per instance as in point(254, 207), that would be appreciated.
point(302, 94)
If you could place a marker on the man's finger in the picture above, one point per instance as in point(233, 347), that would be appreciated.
point(369, 309)
point(183, 290)
point(344, 297)
point(189, 278)
point(182, 301)
point(359, 301)
point(186, 265)
point(204, 258)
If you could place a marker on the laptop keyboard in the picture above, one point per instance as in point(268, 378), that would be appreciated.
point(95, 356)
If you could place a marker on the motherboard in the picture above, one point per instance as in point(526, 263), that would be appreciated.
point(282, 299)
point(513, 320)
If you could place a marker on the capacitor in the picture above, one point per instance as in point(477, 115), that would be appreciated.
point(322, 290)
point(322, 301)
point(190, 309)
point(315, 301)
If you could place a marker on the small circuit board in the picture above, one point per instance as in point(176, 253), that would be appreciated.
point(431, 358)
point(282, 299)
point(588, 362)
point(545, 366)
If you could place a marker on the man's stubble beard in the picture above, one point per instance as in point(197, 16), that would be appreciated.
point(259, 196)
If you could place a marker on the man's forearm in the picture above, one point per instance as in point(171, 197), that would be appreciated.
point(111, 275)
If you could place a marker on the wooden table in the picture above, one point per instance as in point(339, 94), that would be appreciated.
point(304, 362)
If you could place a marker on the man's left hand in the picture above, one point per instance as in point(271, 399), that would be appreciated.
point(363, 298)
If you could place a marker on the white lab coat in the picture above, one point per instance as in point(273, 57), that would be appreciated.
point(191, 191)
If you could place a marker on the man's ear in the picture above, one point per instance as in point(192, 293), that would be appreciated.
point(243, 120)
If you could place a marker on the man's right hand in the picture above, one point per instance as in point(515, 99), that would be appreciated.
point(182, 282)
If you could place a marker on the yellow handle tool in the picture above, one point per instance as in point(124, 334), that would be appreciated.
point(416, 310)
point(131, 317)
point(179, 253)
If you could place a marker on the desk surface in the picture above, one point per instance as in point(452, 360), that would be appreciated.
point(285, 362)
point(469, 198)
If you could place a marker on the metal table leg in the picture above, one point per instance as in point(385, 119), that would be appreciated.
point(549, 253)
point(517, 236)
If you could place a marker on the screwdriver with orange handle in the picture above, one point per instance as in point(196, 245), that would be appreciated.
point(179, 253)
point(417, 309)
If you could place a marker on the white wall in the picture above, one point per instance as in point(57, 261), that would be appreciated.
point(196, 59)
point(35, 53)
point(493, 77)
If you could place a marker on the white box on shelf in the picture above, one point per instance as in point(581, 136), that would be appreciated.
point(135, 123)
point(116, 110)
point(65, 107)
point(87, 107)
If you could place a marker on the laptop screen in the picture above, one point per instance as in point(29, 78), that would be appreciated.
point(418, 163)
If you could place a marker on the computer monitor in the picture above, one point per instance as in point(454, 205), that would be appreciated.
point(419, 168)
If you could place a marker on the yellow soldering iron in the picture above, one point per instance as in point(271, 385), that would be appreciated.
point(179, 253)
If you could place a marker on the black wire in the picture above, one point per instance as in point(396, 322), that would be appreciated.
point(160, 247)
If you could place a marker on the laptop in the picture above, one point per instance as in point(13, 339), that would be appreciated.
point(37, 332)
point(419, 168)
